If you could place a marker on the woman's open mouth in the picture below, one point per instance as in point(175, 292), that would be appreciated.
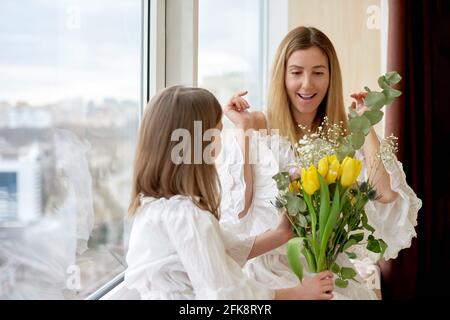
point(306, 96)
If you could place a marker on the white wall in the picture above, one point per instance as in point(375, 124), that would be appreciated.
point(355, 28)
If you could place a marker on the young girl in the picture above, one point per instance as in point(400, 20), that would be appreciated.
point(177, 249)
point(305, 86)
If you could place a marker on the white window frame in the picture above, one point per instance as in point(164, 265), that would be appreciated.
point(275, 25)
point(181, 42)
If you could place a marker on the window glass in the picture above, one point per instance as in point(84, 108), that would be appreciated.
point(70, 103)
point(230, 49)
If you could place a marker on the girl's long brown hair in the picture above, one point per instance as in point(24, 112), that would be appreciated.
point(279, 107)
point(155, 173)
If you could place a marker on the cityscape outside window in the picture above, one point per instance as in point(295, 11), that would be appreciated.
point(70, 103)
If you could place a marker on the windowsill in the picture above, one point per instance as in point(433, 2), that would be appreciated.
point(98, 266)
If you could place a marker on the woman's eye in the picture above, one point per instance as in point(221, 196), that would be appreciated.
point(295, 73)
point(318, 73)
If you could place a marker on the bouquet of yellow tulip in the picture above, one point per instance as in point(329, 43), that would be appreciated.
point(323, 199)
point(326, 208)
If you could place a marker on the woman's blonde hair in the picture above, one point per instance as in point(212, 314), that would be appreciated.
point(280, 114)
point(155, 173)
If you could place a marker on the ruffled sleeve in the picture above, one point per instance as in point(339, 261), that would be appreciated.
point(394, 222)
point(230, 167)
point(266, 153)
point(196, 236)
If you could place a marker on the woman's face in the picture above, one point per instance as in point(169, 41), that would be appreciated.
point(307, 80)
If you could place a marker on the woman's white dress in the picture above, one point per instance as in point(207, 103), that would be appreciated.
point(178, 251)
point(393, 222)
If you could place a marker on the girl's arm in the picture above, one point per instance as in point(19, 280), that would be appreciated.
point(245, 122)
point(272, 239)
point(244, 141)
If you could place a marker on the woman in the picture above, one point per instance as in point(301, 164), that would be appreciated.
point(305, 86)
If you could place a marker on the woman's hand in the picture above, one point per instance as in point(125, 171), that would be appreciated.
point(358, 103)
point(236, 111)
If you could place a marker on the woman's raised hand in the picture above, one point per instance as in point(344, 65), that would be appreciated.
point(358, 103)
point(237, 111)
point(237, 102)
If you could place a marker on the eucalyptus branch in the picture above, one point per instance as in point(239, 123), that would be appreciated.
point(360, 125)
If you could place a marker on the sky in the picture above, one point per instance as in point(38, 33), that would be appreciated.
point(229, 32)
point(55, 49)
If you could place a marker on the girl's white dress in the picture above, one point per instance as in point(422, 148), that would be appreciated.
point(178, 251)
point(393, 222)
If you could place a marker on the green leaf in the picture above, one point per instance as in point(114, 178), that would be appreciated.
point(358, 139)
point(309, 259)
point(324, 204)
point(341, 283)
point(282, 180)
point(335, 268)
point(374, 116)
point(348, 273)
point(373, 245)
point(352, 113)
point(349, 243)
point(391, 94)
point(365, 223)
point(367, 89)
point(383, 246)
point(357, 236)
point(351, 255)
point(294, 204)
point(375, 100)
point(293, 252)
point(302, 205)
point(360, 124)
point(331, 222)
point(345, 148)
point(393, 77)
point(383, 83)
point(312, 213)
point(302, 221)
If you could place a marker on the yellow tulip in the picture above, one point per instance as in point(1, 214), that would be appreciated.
point(329, 168)
point(294, 186)
point(323, 166)
point(349, 171)
point(333, 171)
point(310, 180)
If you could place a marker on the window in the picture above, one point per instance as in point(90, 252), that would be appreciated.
point(71, 95)
point(231, 55)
